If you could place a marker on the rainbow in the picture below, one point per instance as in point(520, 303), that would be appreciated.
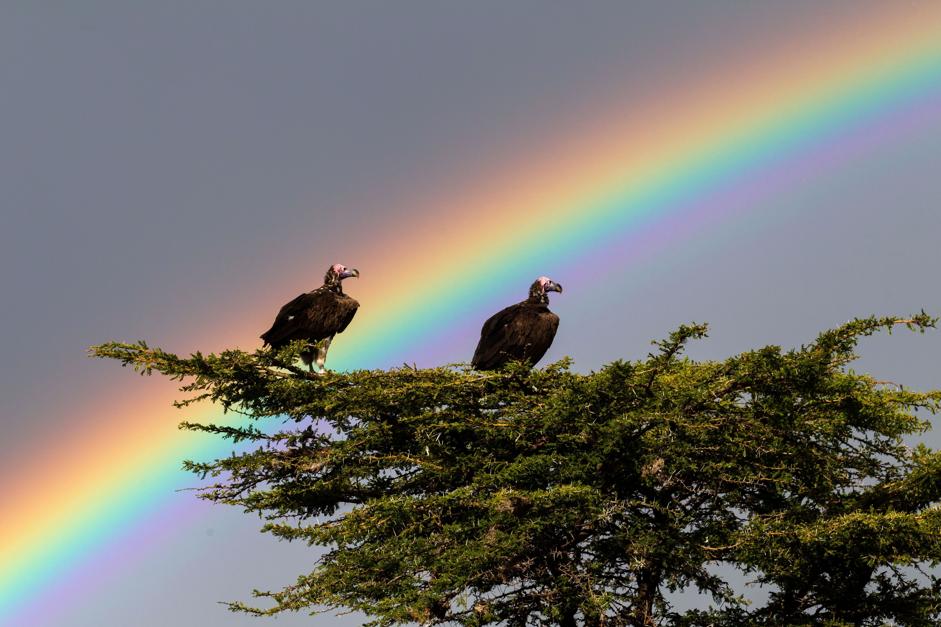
point(643, 175)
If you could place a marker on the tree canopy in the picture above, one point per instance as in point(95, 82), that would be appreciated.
point(548, 497)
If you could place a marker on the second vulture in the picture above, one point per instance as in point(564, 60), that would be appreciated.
point(316, 317)
point(521, 332)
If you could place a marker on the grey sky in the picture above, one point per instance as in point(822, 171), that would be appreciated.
point(161, 161)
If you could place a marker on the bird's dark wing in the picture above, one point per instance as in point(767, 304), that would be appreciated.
point(539, 333)
point(497, 321)
point(338, 314)
point(519, 332)
point(327, 314)
point(490, 352)
point(312, 316)
point(289, 321)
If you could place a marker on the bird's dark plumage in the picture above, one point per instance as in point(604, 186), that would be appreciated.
point(522, 332)
point(315, 316)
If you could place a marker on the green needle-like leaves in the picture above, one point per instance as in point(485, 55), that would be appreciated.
point(531, 497)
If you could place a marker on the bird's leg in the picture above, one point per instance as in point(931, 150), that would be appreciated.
point(307, 356)
point(322, 348)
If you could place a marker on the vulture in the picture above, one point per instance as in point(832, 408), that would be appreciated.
point(521, 332)
point(316, 317)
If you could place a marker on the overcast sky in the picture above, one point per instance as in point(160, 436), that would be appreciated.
point(161, 161)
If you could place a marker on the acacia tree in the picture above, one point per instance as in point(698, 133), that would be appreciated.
point(531, 497)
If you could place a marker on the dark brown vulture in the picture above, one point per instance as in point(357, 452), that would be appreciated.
point(521, 332)
point(316, 317)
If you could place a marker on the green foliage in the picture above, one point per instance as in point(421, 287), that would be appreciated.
point(525, 497)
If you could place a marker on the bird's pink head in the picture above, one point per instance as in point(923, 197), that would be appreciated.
point(548, 285)
point(337, 272)
point(542, 286)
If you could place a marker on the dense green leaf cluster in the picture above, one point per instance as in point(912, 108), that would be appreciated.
point(525, 497)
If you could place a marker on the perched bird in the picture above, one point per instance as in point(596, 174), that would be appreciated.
point(316, 317)
point(523, 331)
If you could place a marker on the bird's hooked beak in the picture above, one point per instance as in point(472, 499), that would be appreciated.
point(352, 272)
point(552, 286)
